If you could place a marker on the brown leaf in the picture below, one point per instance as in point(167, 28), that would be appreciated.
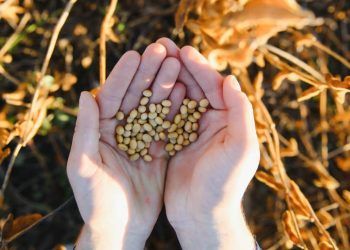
point(182, 13)
point(291, 150)
point(19, 224)
point(325, 245)
point(325, 217)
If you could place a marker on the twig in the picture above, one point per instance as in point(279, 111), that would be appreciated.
point(295, 61)
point(330, 52)
point(53, 212)
point(105, 25)
point(44, 67)
point(12, 39)
point(9, 169)
point(339, 151)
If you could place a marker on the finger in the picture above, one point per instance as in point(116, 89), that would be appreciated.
point(208, 78)
point(151, 61)
point(176, 98)
point(84, 148)
point(193, 89)
point(240, 122)
point(165, 79)
point(112, 92)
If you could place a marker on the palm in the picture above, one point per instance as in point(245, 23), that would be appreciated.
point(110, 189)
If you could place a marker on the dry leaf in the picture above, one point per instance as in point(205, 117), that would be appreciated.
point(289, 228)
point(15, 226)
point(10, 10)
point(325, 217)
point(325, 245)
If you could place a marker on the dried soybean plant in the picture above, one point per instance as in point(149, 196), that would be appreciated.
point(30, 119)
point(235, 35)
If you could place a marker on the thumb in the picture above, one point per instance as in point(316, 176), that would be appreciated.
point(84, 150)
point(240, 121)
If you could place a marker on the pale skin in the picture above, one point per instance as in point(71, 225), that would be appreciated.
point(201, 187)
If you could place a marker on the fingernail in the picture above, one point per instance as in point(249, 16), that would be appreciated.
point(83, 98)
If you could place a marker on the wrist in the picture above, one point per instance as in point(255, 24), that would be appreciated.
point(216, 233)
point(95, 239)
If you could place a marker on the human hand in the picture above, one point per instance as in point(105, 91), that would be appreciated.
point(206, 180)
point(120, 200)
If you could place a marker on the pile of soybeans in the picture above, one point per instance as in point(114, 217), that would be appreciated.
point(147, 123)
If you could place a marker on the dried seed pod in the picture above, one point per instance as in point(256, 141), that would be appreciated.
point(186, 135)
point(128, 127)
point(133, 114)
point(166, 124)
point(204, 103)
point(186, 142)
point(152, 132)
point(144, 100)
point(193, 137)
point(146, 138)
point(191, 111)
point(147, 93)
point(158, 120)
point(185, 101)
point(192, 104)
point(178, 147)
point(122, 147)
point(147, 127)
point(152, 115)
point(163, 116)
point(119, 130)
point(147, 144)
point(147, 158)
point(177, 119)
point(134, 157)
point(169, 147)
point(119, 116)
point(142, 109)
point(172, 153)
point(173, 140)
point(166, 103)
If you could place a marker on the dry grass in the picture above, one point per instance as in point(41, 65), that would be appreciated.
point(293, 65)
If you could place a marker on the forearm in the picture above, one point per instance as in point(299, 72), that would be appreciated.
point(231, 234)
point(90, 239)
